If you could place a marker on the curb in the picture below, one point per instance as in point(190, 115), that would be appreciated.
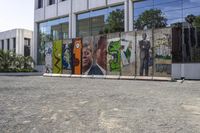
point(22, 74)
point(114, 77)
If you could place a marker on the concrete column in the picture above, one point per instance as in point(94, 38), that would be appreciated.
point(70, 20)
point(130, 15)
point(17, 43)
point(21, 42)
point(73, 24)
point(35, 41)
point(126, 15)
point(31, 47)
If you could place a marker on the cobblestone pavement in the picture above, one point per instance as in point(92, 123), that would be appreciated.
point(45, 105)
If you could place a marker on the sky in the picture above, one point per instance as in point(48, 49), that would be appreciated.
point(16, 14)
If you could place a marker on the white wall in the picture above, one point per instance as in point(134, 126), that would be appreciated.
point(79, 5)
point(97, 4)
point(39, 15)
point(187, 71)
point(19, 34)
point(50, 11)
point(64, 8)
point(111, 2)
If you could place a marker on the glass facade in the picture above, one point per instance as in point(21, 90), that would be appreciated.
point(96, 22)
point(50, 31)
point(182, 16)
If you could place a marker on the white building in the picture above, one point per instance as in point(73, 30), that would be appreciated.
point(19, 41)
point(78, 18)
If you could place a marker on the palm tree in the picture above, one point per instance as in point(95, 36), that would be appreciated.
point(6, 59)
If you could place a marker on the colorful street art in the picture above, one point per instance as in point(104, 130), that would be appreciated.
point(162, 52)
point(128, 56)
point(87, 56)
point(100, 54)
point(67, 56)
point(57, 57)
point(48, 57)
point(144, 53)
point(139, 53)
point(77, 53)
point(114, 54)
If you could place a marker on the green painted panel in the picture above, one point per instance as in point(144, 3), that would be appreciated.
point(57, 57)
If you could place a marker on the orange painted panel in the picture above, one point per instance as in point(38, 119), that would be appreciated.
point(77, 53)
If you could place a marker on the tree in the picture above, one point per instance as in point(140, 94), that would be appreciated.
point(115, 21)
point(151, 18)
point(197, 21)
point(6, 59)
point(190, 19)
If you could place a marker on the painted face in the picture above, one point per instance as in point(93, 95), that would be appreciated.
point(102, 53)
point(87, 57)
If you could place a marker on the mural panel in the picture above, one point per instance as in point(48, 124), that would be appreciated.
point(48, 57)
point(88, 65)
point(128, 57)
point(77, 53)
point(57, 57)
point(144, 53)
point(67, 56)
point(100, 56)
point(162, 52)
point(114, 54)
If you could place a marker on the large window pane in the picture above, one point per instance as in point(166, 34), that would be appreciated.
point(96, 22)
point(49, 31)
point(182, 15)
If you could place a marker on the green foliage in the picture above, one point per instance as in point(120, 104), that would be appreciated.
point(151, 18)
point(115, 22)
point(190, 19)
point(6, 59)
point(197, 21)
point(10, 62)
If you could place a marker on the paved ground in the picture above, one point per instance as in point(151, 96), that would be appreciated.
point(45, 105)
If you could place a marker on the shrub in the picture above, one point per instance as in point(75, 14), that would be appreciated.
point(10, 62)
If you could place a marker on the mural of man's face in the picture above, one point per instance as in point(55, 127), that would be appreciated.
point(87, 58)
point(102, 53)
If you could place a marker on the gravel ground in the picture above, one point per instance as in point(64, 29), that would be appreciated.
point(45, 105)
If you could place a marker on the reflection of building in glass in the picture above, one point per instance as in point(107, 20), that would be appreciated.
point(173, 13)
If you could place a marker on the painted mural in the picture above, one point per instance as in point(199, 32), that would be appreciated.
point(48, 57)
point(162, 52)
point(88, 65)
point(57, 57)
point(76, 59)
point(67, 56)
point(114, 54)
point(144, 53)
point(127, 54)
point(100, 54)
point(128, 57)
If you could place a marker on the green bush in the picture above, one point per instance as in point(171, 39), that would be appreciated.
point(10, 62)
